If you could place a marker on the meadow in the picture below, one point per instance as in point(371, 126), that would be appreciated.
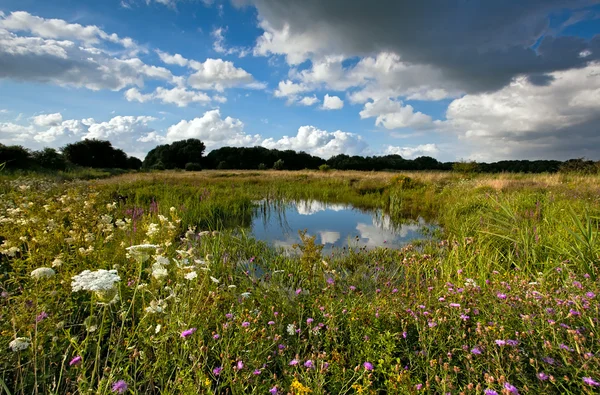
point(137, 284)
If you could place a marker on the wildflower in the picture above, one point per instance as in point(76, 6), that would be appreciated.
point(464, 317)
point(299, 388)
point(330, 281)
point(500, 295)
point(501, 343)
point(542, 376)
point(42, 272)
point(298, 291)
point(565, 347)
point(156, 306)
point(245, 324)
point(239, 365)
point(217, 371)
point(245, 295)
point(19, 344)
point(308, 364)
point(590, 295)
point(418, 387)
point(75, 361)
point(548, 360)
point(476, 351)
point(309, 321)
point(454, 305)
point(191, 275)
point(512, 343)
point(590, 381)
point(57, 262)
point(489, 392)
point(188, 332)
point(101, 282)
point(215, 280)
point(256, 372)
point(511, 388)
point(271, 323)
point(352, 288)
point(273, 391)
point(159, 271)
point(120, 387)
point(229, 316)
point(291, 329)
point(574, 312)
point(293, 362)
point(368, 366)
point(216, 336)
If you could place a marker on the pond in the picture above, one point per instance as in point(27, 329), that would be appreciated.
point(334, 225)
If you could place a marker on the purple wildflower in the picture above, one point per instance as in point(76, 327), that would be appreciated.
point(256, 372)
point(308, 364)
point(548, 360)
point(464, 317)
point(394, 290)
point(512, 343)
point(590, 295)
point(239, 365)
point(217, 371)
point(330, 281)
point(418, 387)
point(273, 391)
point(511, 388)
point(119, 386)
point(309, 321)
point(489, 392)
point(229, 316)
point(591, 381)
point(501, 343)
point(500, 295)
point(245, 324)
point(75, 361)
point(454, 305)
point(565, 347)
point(216, 336)
point(42, 316)
point(352, 288)
point(293, 362)
point(271, 323)
point(188, 332)
point(542, 376)
point(476, 351)
point(298, 291)
point(368, 366)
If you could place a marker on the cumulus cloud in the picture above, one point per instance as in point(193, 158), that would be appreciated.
point(214, 131)
point(218, 74)
point(179, 96)
point(413, 152)
point(308, 100)
point(554, 120)
point(218, 35)
point(176, 59)
point(319, 142)
point(332, 103)
point(48, 119)
point(392, 114)
point(485, 56)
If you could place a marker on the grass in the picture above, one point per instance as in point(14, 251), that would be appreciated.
point(505, 298)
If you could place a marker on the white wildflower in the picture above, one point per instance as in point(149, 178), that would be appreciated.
point(215, 280)
point(231, 286)
point(291, 329)
point(156, 306)
point(159, 271)
point(42, 272)
point(158, 327)
point(162, 260)
point(19, 344)
point(152, 229)
point(141, 247)
point(191, 275)
point(245, 295)
point(57, 262)
point(470, 283)
point(101, 282)
point(200, 261)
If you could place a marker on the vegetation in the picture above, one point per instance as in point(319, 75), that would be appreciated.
point(505, 302)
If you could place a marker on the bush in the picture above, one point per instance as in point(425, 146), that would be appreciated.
point(48, 158)
point(465, 167)
point(158, 166)
point(193, 166)
point(324, 167)
point(262, 166)
point(278, 165)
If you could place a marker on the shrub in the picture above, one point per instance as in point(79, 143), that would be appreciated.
point(262, 166)
point(324, 167)
point(193, 166)
point(278, 165)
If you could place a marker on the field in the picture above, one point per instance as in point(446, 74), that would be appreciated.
point(136, 283)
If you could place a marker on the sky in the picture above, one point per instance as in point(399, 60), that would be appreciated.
point(481, 80)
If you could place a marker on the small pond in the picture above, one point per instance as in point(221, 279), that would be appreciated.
point(334, 225)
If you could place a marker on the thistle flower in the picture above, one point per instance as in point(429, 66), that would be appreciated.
point(476, 351)
point(256, 372)
point(120, 386)
point(42, 272)
point(511, 388)
point(188, 332)
point(19, 344)
point(590, 381)
point(490, 392)
point(368, 366)
point(501, 343)
point(273, 391)
point(308, 364)
point(245, 324)
point(293, 362)
point(239, 365)
point(75, 361)
point(217, 371)
point(42, 316)
point(542, 376)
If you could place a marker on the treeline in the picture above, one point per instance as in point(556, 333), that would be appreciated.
point(189, 155)
point(87, 153)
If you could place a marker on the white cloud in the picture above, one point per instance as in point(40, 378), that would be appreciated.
point(412, 152)
point(332, 103)
point(391, 114)
point(218, 74)
point(176, 59)
point(48, 119)
point(556, 120)
point(290, 89)
point(319, 142)
point(178, 96)
point(213, 131)
point(60, 29)
point(218, 35)
point(308, 100)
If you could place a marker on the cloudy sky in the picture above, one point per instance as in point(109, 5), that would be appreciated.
point(453, 79)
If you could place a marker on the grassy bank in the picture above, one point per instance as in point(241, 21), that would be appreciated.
point(505, 301)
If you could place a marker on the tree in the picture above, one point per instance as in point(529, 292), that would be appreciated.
point(95, 153)
point(49, 158)
point(176, 155)
point(15, 157)
point(278, 165)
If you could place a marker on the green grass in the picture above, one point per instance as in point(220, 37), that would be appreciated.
point(517, 260)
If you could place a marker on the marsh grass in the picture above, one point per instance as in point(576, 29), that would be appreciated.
point(506, 296)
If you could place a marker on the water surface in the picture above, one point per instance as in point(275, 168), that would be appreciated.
point(334, 225)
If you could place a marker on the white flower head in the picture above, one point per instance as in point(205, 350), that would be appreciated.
point(215, 280)
point(191, 275)
point(57, 262)
point(42, 272)
point(101, 282)
point(245, 295)
point(291, 329)
point(19, 344)
point(156, 306)
point(159, 271)
point(163, 260)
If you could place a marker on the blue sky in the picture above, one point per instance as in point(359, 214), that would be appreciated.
point(453, 80)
